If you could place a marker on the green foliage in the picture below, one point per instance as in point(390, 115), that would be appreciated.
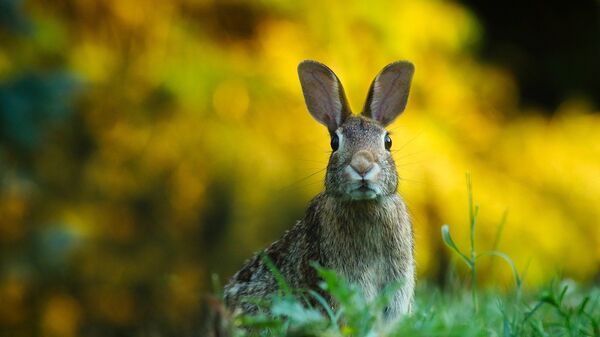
point(559, 309)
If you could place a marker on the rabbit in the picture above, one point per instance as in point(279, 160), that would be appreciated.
point(359, 225)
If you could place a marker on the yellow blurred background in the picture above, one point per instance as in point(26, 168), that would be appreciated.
point(145, 145)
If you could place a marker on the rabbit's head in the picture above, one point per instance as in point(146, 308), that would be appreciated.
point(360, 166)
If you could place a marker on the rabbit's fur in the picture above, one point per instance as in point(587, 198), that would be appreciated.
point(358, 226)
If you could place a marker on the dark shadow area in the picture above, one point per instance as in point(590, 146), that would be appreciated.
point(551, 47)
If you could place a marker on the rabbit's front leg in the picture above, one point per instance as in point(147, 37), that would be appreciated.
point(400, 305)
point(402, 302)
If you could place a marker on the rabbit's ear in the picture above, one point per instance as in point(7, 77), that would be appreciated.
point(323, 94)
point(389, 92)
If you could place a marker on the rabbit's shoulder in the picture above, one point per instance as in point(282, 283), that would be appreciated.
point(291, 255)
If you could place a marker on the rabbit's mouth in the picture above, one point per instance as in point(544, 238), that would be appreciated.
point(363, 190)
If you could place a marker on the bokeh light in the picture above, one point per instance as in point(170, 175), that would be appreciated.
point(146, 146)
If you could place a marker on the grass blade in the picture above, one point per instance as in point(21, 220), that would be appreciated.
point(508, 260)
point(450, 243)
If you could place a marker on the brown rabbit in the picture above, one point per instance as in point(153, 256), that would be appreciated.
point(359, 225)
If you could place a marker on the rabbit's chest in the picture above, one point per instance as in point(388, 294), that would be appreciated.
point(367, 261)
point(371, 275)
point(369, 247)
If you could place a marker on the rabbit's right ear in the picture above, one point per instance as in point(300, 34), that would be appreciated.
point(389, 92)
point(323, 94)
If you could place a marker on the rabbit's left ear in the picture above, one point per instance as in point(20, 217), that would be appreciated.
point(389, 92)
point(323, 94)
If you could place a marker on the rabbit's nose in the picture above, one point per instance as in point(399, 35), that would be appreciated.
point(362, 162)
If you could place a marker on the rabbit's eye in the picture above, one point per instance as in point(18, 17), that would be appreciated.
point(388, 142)
point(335, 142)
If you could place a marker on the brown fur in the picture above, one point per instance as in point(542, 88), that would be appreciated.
point(367, 240)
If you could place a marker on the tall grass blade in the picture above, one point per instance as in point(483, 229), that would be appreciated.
point(450, 243)
point(508, 260)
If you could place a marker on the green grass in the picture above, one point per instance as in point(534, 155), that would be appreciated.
point(561, 308)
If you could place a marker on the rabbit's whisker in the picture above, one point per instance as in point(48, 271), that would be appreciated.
point(297, 182)
point(408, 155)
point(411, 180)
point(410, 163)
point(409, 141)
